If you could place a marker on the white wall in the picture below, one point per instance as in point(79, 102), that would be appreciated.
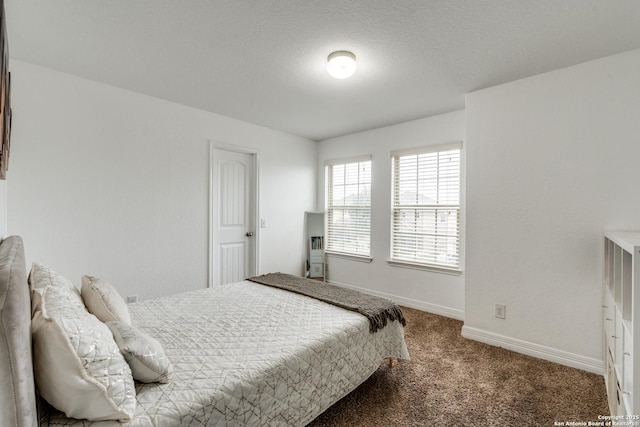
point(552, 161)
point(108, 182)
point(434, 292)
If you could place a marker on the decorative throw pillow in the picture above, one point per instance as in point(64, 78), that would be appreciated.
point(41, 278)
point(103, 301)
point(145, 355)
point(77, 365)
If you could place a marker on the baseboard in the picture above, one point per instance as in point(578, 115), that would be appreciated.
point(536, 350)
point(408, 302)
point(562, 357)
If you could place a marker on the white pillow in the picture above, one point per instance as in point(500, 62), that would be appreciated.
point(78, 367)
point(103, 301)
point(41, 277)
point(145, 355)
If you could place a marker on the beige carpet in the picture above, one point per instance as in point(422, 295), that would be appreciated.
point(453, 381)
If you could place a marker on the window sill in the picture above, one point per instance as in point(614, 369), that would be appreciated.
point(426, 267)
point(351, 257)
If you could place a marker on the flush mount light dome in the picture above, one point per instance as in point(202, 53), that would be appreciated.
point(341, 64)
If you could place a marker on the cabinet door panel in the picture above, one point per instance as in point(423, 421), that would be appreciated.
point(627, 369)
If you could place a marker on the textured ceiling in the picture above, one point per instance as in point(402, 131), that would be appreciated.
point(263, 61)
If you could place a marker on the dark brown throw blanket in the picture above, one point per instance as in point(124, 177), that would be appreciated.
point(378, 310)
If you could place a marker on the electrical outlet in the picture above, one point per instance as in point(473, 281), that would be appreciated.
point(132, 298)
point(501, 311)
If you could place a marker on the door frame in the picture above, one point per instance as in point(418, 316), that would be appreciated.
point(255, 214)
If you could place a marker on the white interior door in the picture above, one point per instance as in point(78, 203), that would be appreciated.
point(233, 237)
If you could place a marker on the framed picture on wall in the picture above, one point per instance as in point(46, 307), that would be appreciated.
point(5, 96)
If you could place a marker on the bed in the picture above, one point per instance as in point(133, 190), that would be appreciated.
point(241, 354)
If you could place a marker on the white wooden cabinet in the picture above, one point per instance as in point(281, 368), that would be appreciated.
point(316, 256)
point(315, 264)
point(621, 321)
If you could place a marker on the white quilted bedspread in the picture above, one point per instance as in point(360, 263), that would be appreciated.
point(247, 354)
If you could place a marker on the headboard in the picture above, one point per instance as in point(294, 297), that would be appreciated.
point(17, 389)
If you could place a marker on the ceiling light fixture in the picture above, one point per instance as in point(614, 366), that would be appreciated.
point(341, 64)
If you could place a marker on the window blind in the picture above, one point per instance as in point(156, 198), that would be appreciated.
point(425, 227)
point(348, 206)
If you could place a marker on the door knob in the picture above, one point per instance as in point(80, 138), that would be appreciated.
point(249, 233)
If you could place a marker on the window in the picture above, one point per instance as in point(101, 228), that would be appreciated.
point(425, 228)
point(348, 203)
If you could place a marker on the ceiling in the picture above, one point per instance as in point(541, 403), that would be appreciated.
point(263, 61)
